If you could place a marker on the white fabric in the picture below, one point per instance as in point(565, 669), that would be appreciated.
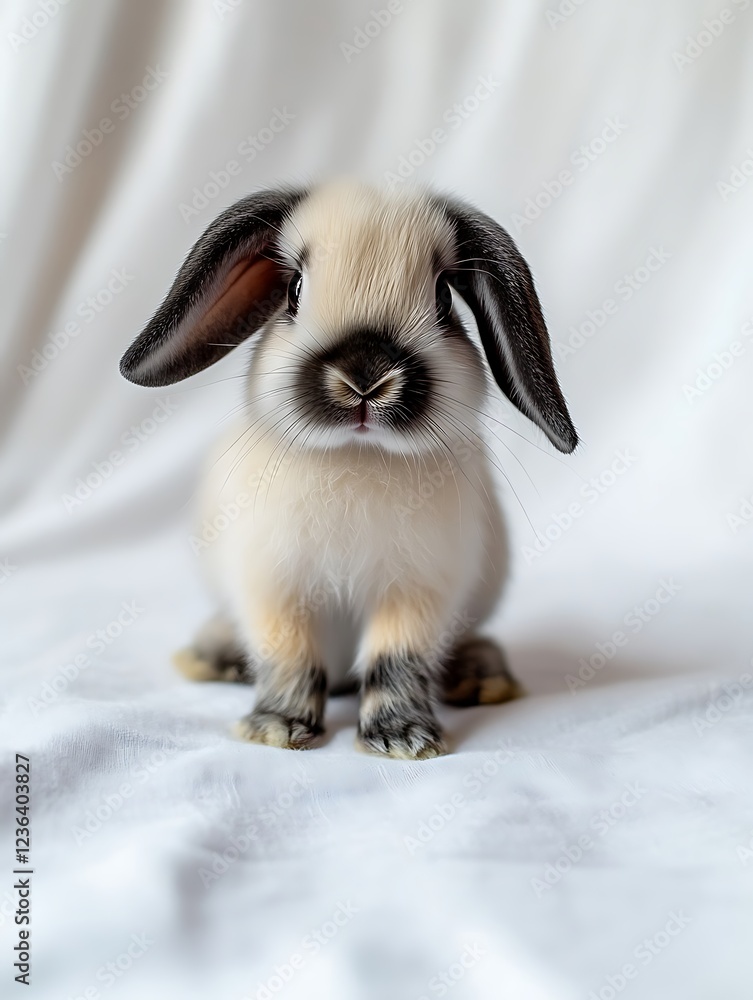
point(432, 863)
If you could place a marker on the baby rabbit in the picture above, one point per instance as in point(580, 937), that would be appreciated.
point(365, 505)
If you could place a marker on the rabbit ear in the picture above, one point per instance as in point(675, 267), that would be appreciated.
point(227, 288)
point(492, 277)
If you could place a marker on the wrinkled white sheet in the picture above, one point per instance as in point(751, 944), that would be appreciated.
point(592, 840)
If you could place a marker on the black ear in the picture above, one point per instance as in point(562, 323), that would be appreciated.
point(228, 287)
point(492, 277)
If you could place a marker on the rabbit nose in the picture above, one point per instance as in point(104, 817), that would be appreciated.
point(358, 381)
point(387, 387)
point(368, 373)
point(353, 388)
point(366, 361)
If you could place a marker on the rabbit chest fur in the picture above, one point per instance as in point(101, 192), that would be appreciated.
point(335, 533)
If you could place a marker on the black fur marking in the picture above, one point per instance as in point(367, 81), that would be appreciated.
point(397, 716)
point(235, 668)
point(164, 353)
point(366, 356)
point(398, 675)
point(497, 285)
point(298, 704)
point(476, 673)
point(218, 646)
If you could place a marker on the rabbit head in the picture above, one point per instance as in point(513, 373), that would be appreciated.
point(349, 296)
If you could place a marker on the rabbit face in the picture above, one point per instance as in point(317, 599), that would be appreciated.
point(367, 348)
point(353, 292)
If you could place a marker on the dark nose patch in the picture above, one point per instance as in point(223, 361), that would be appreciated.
point(365, 356)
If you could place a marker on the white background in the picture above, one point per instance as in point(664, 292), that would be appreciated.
point(332, 826)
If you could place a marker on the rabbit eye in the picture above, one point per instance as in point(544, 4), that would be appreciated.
point(294, 292)
point(443, 299)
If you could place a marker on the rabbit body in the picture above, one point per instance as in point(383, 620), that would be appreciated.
point(362, 503)
point(345, 534)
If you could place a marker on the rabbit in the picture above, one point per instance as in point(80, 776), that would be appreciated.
point(357, 492)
